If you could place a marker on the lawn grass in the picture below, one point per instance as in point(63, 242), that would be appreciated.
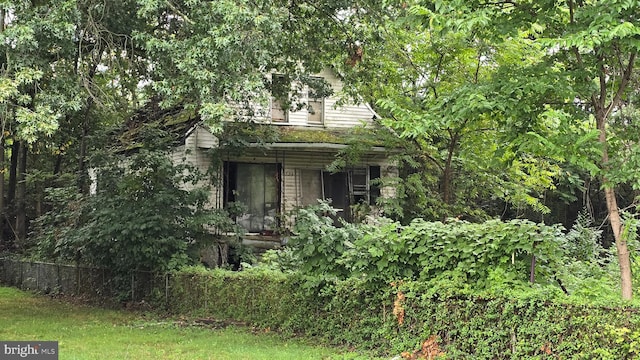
point(85, 332)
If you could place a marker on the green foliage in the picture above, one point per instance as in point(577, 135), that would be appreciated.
point(215, 54)
point(627, 340)
point(142, 216)
point(318, 243)
point(583, 241)
point(283, 260)
point(425, 250)
point(55, 231)
point(626, 133)
point(464, 109)
point(384, 251)
point(518, 323)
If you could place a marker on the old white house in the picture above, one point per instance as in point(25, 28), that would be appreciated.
point(273, 178)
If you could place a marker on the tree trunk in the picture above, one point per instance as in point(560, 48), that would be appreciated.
point(624, 261)
point(21, 192)
point(602, 112)
point(447, 174)
point(83, 177)
point(2, 204)
point(13, 170)
point(10, 209)
point(2, 167)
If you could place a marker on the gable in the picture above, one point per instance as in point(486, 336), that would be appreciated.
point(307, 111)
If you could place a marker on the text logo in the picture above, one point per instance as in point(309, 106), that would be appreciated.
point(32, 350)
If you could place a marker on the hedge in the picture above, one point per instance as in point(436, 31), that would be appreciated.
point(406, 317)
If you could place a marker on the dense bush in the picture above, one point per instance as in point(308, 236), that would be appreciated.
point(382, 250)
point(492, 290)
point(147, 214)
point(536, 322)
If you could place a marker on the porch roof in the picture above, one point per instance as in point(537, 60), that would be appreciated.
point(310, 146)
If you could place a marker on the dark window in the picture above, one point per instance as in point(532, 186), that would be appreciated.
point(257, 187)
point(358, 186)
point(336, 188)
point(374, 184)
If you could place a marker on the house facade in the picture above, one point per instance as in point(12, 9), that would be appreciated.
point(271, 179)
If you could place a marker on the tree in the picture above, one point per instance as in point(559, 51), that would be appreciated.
point(594, 44)
point(29, 101)
point(67, 67)
point(214, 56)
point(441, 91)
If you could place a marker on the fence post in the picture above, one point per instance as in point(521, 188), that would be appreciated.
point(166, 291)
point(206, 294)
point(58, 280)
point(77, 279)
point(133, 298)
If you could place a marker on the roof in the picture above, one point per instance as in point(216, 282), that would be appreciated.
point(176, 122)
point(312, 135)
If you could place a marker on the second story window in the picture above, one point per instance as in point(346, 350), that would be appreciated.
point(316, 111)
point(315, 105)
point(280, 87)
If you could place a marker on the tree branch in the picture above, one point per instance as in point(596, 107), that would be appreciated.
point(424, 154)
point(180, 13)
point(626, 76)
point(475, 76)
point(436, 77)
point(602, 77)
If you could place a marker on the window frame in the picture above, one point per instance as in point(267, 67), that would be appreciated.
point(321, 101)
point(343, 185)
point(279, 102)
point(231, 181)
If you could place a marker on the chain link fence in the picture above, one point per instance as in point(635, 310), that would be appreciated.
point(49, 278)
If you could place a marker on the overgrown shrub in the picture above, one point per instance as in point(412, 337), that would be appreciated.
point(148, 214)
point(318, 243)
point(55, 232)
point(530, 322)
point(382, 250)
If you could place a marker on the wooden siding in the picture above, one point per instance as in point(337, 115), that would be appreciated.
point(204, 138)
point(190, 153)
point(345, 116)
